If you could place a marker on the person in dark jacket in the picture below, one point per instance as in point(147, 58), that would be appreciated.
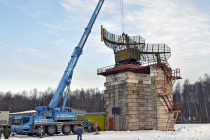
point(6, 132)
point(1, 130)
point(79, 132)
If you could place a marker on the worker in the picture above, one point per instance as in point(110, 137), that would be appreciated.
point(1, 130)
point(79, 132)
point(6, 132)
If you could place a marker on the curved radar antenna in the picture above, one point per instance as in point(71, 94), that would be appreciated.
point(134, 49)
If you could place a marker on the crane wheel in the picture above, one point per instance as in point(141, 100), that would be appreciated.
point(74, 128)
point(51, 130)
point(66, 129)
point(41, 131)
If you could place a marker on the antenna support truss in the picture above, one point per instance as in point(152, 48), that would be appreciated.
point(133, 48)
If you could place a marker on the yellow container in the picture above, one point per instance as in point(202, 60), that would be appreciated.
point(95, 118)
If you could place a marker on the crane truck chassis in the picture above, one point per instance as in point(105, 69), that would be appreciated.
point(51, 119)
point(40, 128)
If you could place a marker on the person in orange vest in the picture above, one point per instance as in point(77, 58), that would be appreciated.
point(79, 132)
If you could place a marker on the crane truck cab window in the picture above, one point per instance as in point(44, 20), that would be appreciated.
point(26, 120)
point(16, 121)
point(67, 110)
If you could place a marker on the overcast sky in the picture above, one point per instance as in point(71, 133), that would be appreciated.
point(37, 38)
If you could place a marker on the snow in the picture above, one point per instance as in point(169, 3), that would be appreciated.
point(183, 132)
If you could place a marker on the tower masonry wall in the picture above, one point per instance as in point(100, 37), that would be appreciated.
point(136, 96)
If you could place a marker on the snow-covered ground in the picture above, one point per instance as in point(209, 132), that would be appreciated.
point(183, 132)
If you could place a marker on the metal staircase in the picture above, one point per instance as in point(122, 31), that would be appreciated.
point(166, 96)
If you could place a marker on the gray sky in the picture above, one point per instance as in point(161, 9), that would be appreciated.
point(37, 38)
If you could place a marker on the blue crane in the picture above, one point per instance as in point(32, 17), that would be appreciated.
point(49, 118)
point(67, 76)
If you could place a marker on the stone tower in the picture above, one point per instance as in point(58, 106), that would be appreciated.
point(139, 86)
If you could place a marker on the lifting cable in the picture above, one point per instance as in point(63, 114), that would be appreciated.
point(122, 15)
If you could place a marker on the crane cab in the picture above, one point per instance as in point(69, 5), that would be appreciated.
point(22, 124)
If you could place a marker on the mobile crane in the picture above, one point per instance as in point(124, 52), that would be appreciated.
point(51, 119)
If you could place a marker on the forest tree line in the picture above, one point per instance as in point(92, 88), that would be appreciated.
point(195, 98)
point(91, 100)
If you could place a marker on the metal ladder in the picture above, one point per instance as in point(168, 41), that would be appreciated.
point(59, 127)
point(172, 120)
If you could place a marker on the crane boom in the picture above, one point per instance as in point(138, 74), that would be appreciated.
point(51, 117)
point(68, 73)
